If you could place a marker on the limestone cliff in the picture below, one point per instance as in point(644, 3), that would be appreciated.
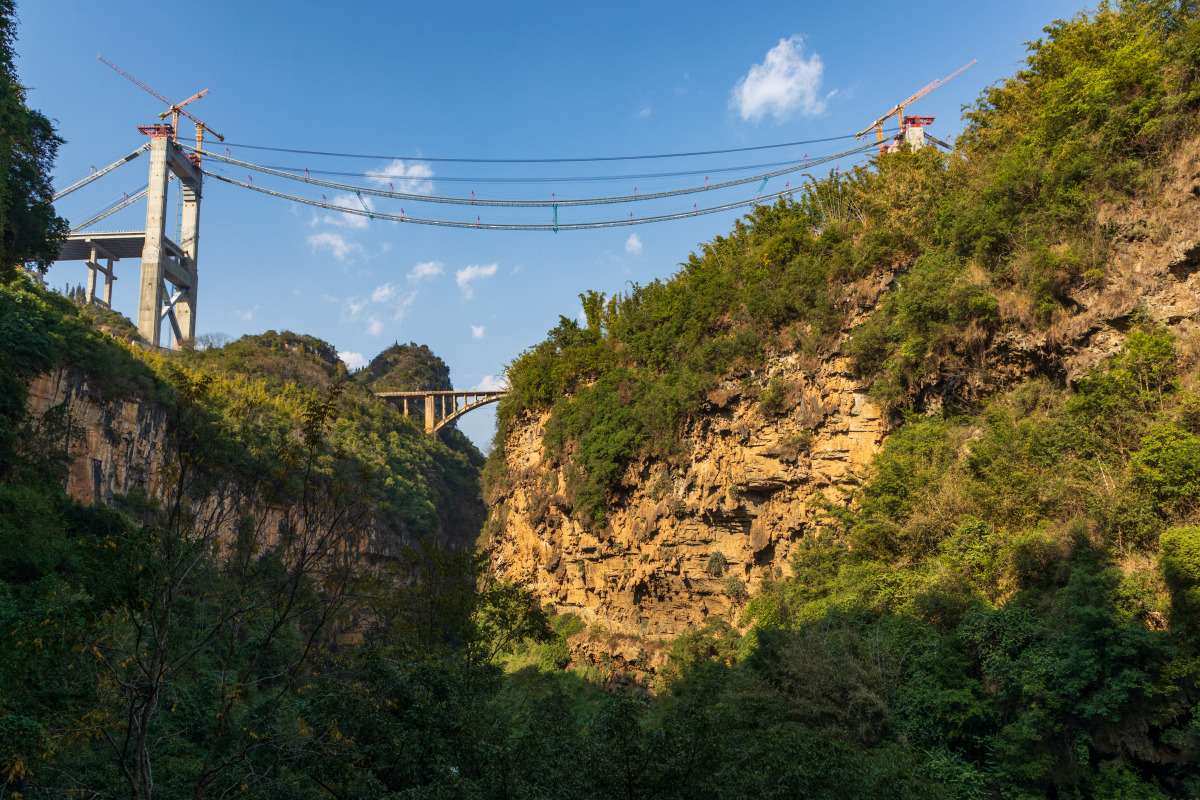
point(119, 443)
point(695, 535)
point(690, 538)
point(116, 444)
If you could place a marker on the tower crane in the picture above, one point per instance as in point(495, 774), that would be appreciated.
point(898, 110)
point(173, 109)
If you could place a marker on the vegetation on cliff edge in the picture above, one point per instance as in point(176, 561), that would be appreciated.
point(991, 239)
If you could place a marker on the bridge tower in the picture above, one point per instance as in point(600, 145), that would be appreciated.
point(163, 264)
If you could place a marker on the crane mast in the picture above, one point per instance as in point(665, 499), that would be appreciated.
point(175, 110)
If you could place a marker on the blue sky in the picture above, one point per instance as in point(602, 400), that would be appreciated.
point(489, 81)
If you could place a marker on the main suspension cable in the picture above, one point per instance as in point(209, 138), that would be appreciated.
point(478, 179)
point(425, 198)
point(578, 160)
point(555, 227)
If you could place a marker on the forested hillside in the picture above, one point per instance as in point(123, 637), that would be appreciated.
point(1003, 603)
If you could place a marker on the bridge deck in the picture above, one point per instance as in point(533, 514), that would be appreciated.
point(445, 393)
point(443, 403)
point(113, 244)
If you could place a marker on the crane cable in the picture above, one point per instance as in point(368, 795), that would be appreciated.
point(425, 198)
point(525, 227)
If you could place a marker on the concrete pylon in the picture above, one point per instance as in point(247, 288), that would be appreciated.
point(185, 306)
point(150, 302)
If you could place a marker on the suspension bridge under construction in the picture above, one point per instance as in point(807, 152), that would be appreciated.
point(169, 274)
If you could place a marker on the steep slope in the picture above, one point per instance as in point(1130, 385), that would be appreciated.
point(116, 432)
point(659, 465)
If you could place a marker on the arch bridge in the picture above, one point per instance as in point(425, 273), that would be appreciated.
point(441, 407)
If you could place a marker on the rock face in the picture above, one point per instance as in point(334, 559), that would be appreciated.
point(121, 441)
point(693, 537)
point(118, 444)
point(690, 538)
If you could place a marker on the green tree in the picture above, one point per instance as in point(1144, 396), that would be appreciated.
point(30, 231)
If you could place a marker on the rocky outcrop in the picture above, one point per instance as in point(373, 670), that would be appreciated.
point(693, 536)
point(115, 444)
point(119, 443)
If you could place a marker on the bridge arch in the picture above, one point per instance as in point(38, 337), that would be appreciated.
point(441, 407)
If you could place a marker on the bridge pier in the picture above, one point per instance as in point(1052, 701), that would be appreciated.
point(430, 414)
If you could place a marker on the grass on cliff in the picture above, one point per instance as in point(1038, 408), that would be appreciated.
point(991, 238)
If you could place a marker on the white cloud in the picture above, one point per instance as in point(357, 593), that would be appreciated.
point(352, 361)
point(645, 112)
point(425, 270)
point(351, 201)
point(383, 293)
point(633, 244)
point(385, 300)
point(245, 315)
point(403, 305)
point(335, 243)
point(465, 275)
point(476, 331)
point(411, 178)
point(786, 81)
point(491, 383)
